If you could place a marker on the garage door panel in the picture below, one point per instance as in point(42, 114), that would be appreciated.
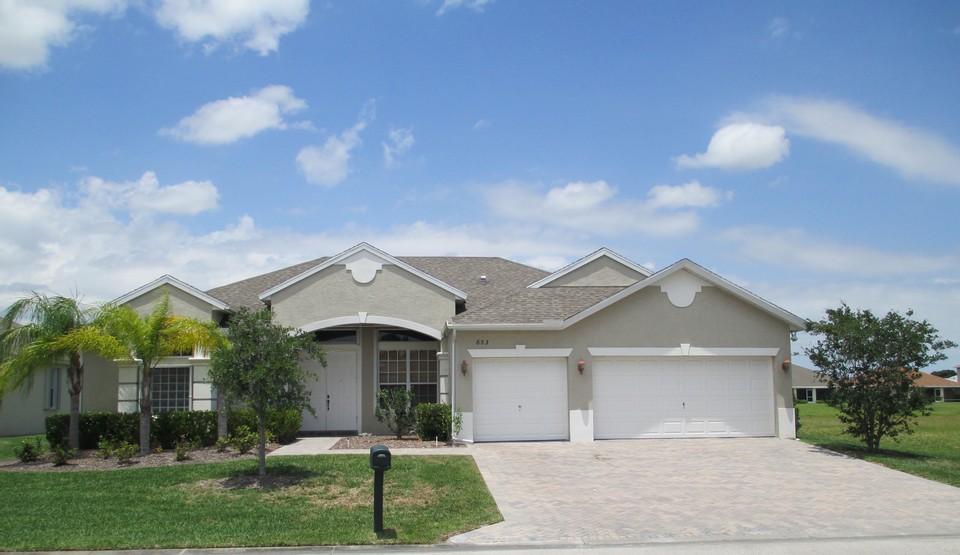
point(517, 400)
point(683, 398)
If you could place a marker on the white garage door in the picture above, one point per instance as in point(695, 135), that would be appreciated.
point(643, 397)
point(517, 400)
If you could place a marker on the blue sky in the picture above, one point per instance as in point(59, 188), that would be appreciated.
point(809, 152)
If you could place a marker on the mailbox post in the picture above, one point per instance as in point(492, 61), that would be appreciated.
point(379, 462)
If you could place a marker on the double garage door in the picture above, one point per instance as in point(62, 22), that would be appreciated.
point(660, 398)
point(639, 397)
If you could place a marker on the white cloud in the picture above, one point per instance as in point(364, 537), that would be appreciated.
point(594, 208)
point(741, 146)
point(481, 124)
point(916, 154)
point(231, 119)
point(146, 196)
point(401, 140)
point(778, 27)
point(329, 164)
point(28, 29)
point(475, 5)
point(259, 24)
point(795, 249)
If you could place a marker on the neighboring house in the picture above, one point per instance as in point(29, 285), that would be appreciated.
point(809, 386)
point(24, 412)
point(603, 348)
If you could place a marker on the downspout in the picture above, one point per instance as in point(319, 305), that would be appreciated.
point(453, 376)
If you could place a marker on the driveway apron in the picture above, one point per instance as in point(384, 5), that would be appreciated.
point(700, 489)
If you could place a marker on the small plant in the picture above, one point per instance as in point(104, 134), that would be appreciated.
point(457, 422)
point(243, 440)
point(157, 449)
point(222, 445)
point(62, 454)
point(125, 452)
point(105, 448)
point(182, 448)
point(394, 410)
point(29, 451)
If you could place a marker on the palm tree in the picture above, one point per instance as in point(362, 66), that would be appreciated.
point(150, 339)
point(58, 331)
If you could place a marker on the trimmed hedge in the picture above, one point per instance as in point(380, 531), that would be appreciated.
point(433, 421)
point(199, 427)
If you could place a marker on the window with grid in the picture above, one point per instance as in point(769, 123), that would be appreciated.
point(170, 389)
point(413, 369)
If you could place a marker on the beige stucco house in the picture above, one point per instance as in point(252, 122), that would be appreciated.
point(603, 348)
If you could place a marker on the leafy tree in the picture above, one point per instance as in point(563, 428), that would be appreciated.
point(58, 331)
point(871, 364)
point(149, 339)
point(261, 368)
point(944, 373)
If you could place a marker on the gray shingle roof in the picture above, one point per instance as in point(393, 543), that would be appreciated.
point(503, 278)
point(533, 306)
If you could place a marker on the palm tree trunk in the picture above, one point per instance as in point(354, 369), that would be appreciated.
point(75, 375)
point(145, 410)
point(262, 424)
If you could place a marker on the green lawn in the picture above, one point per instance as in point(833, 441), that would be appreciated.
point(7, 444)
point(932, 451)
point(330, 502)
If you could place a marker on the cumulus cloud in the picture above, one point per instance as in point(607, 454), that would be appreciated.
point(741, 146)
point(401, 140)
point(475, 5)
point(145, 196)
point(329, 164)
point(28, 29)
point(594, 207)
point(915, 153)
point(231, 119)
point(256, 24)
point(795, 249)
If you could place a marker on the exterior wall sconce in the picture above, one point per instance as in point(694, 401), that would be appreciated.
point(463, 367)
point(580, 366)
point(786, 364)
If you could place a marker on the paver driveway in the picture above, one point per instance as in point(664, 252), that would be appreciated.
point(700, 489)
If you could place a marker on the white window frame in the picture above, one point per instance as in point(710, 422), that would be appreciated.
point(408, 347)
point(51, 389)
point(154, 402)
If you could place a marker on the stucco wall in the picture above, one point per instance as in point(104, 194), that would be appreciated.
point(23, 413)
point(333, 293)
point(181, 304)
point(601, 272)
point(645, 319)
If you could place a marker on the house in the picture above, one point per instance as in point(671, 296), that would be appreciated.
point(603, 348)
point(809, 386)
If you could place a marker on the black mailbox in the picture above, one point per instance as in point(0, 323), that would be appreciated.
point(380, 457)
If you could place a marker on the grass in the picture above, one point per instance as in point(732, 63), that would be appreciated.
point(328, 501)
point(932, 451)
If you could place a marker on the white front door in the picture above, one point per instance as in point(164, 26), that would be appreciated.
point(649, 397)
point(518, 400)
point(334, 393)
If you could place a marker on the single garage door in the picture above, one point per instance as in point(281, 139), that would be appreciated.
point(519, 400)
point(645, 397)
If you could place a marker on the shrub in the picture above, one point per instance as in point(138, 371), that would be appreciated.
point(105, 448)
point(125, 452)
point(198, 427)
point(29, 450)
point(222, 444)
point(182, 448)
point(244, 440)
point(62, 454)
point(394, 410)
point(94, 426)
point(282, 426)
point(433, 421)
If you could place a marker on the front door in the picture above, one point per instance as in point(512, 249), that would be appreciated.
point(333, 393)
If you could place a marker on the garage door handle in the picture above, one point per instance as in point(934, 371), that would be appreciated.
point(684, 404)
point(519, 408)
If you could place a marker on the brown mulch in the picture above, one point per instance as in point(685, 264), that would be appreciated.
point(87, 460)
point(406, 442)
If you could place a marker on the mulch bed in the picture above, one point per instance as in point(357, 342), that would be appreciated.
point(406, 442)
point(87, 460)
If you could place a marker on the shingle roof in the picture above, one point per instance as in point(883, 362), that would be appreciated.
point(503, 278)
point(533, 306)
point(929, 380)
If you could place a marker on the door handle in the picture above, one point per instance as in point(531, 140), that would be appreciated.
point(684, 404)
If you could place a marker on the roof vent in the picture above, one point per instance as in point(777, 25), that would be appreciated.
point(483, 279)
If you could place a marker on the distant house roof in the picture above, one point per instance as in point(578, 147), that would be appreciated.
point(929, 380)
point(805, 377)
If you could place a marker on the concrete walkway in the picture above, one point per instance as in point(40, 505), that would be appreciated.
point(698, 491)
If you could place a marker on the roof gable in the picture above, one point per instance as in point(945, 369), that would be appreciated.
point(362, 261)
point(168, 280)
point(609, 267)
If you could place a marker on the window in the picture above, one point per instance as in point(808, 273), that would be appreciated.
point(409, 360)
point(337, 336)
point(51, 398)
point(170, 389)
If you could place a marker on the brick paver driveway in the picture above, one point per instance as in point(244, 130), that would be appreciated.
point(700, 489)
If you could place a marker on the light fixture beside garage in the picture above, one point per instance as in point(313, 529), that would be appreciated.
point(463, 367)
point(786, 364)
point(580, 366)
